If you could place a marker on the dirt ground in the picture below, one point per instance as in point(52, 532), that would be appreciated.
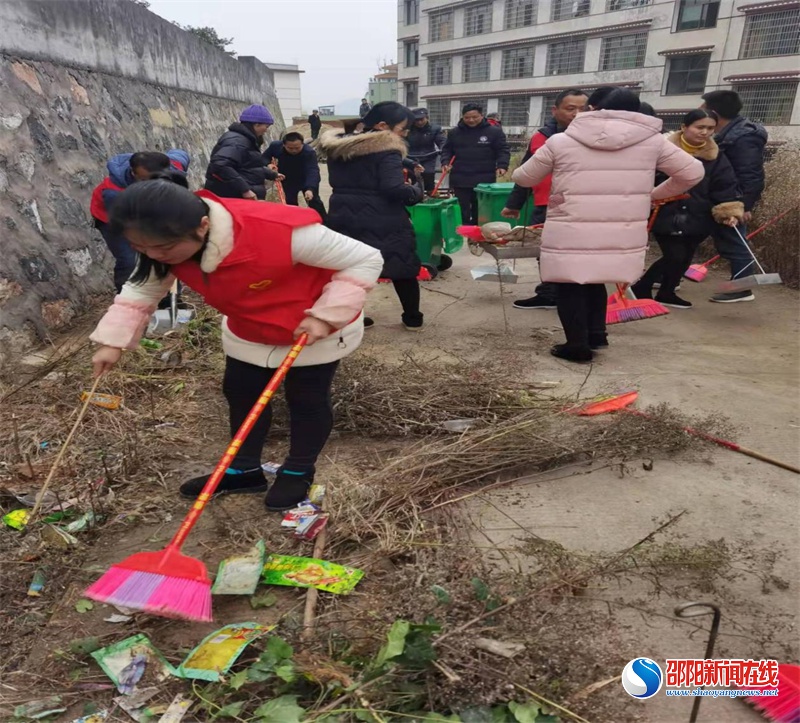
point(737, 360)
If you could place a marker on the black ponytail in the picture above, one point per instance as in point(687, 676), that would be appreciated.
point(162, 208)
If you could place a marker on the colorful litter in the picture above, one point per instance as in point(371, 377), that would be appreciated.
point(239, 575)
point(106, 401)
point(127, 661)
point(220, 650)
point(309, 572)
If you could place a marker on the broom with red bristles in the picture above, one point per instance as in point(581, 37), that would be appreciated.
point(622, 305)
point(167, 582)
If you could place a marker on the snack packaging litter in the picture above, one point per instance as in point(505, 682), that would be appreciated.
point(220, 650)
point(239, 575)
point(310, 527)
point(293, 517)
point(106, 401)
point(176, 711)
point(309, 572)
point(131, 660)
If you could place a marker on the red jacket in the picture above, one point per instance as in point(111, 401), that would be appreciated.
point(541, 193)
point(97, 207)
point(256, 285)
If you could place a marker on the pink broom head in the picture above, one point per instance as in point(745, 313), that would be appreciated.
point(632, 310)
point(164, 583)
point(696, 272)
point(784, 707)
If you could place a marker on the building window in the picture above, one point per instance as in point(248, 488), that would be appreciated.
point(520, 14)
point(767, 34)
point(411, 8)
point(687, 74)
point(440, 71)
point(412, 93)
point(515, 111)
point(623, 52)
point(439, 112)
point(548, 101)
point(518, 63)
point(567, 9)
point(768, 103)
point(566, 57)
point(476, 67)
point(696, 14)
point(411, 53)
point(441, 26)
point(478, 19)
point(671, 121)
point(613, 5)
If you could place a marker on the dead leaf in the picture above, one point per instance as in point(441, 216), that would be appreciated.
point(498, 647)
point(594, 687)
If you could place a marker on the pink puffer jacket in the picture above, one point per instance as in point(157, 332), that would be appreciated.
point(603, 170)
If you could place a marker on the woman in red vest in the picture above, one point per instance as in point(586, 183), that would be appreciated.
point(274, 272)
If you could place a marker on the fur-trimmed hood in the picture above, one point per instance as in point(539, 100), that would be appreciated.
point(341, 147)
point(708, 152)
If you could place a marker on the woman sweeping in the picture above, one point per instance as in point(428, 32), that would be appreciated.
point(603, 167)
point(370, 195)
point(274, 272)
point(681, 226)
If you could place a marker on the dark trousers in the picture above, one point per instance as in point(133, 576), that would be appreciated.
point(429, 181)
point(308, 397)
point(408, 292)
point(547, 290)
point(677, 254)
point(731, 248)
point(125, 257)
point(314, 134)
point(582, 310)
point(315, 203)
point(468, 200)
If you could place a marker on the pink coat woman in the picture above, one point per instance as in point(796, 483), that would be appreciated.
point(603, 170)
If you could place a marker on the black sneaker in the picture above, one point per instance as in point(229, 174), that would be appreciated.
point(288, 490)
point(640, 291)
point(577, 354)
point(733, 297)
point(247, 482)
point(413, 323)
point(673, 301)
point(598, 341)
point(657, 285)
point(368, 322)
point(535, 302)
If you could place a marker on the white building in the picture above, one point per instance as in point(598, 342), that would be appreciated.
point(287, 88)
point(514, 56)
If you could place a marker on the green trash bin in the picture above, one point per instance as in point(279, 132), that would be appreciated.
point(492, 199)
point(435, 221)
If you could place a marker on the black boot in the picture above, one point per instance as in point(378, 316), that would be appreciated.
point(598, 340)
point(642, 290)
point(288, 490)
point(578, 354)
point(232, 483)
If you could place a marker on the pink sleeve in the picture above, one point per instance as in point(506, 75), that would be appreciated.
point(683, 170)
point(123, 324)
point(538, 167)
point(341, 301)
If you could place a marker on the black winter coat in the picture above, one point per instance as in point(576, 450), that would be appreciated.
point(315, 122)
point(237, 166)
point(711, 201)
point(306, 176)
point(479, 153)
point(742, 141)
point(370, 196)
point(425, 144)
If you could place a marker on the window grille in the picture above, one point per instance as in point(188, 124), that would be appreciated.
point(768, 103)
point(478, 19)
point(515, 111)
point(671, 121)
point(613, 5)
point(440, 71)
point(482, 102)
point(622, 52)
point(566, 57)
point(476, 67)
point(520, 14)
point(768, 34)
point(518, 63)
point(567, 9)
point(411, 12)
point(439, 112)
point(412, 93)
point(412, 54)
point(687, 74)
point(441, 26)
point(695, 14)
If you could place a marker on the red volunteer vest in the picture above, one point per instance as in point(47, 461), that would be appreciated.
point(97, 207)
point(256, 286)
point(541, 193)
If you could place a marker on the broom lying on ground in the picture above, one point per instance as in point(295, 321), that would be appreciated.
point(168, 583)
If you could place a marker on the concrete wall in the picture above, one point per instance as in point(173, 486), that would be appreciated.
point(287, 88)
point(79, 82)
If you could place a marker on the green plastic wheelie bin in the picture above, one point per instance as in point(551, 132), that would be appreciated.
point(492, 199)
point(435, 221)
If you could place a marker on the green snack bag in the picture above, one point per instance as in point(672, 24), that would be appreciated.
point(132, 659)
point(220, 650)
point(309, 572)
point(239, 575)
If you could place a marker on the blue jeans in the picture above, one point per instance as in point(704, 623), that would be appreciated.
point(731, 248)
point(124, 256)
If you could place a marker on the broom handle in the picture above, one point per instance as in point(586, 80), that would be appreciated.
point(727, 444)
point(711, 260)
point(279, 185)
point(241, 434)
point(444, 175)
point(770, 222)
point(750, 251)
